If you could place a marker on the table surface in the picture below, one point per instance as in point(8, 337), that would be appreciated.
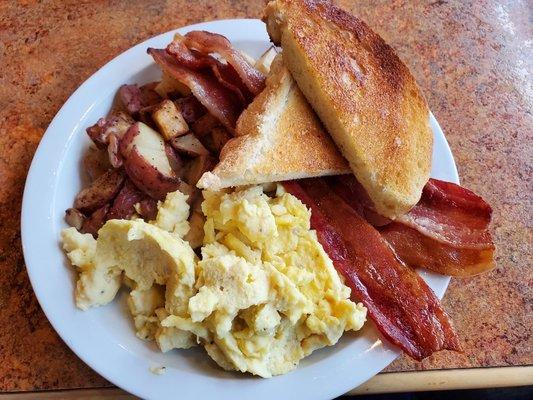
point(473, 60)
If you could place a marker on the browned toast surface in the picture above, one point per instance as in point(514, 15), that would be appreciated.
point(279, 137)
point(364, 95)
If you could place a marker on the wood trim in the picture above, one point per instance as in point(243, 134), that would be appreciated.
point(413, 381)
point(451, 379)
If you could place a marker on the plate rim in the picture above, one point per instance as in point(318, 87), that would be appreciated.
point(33, 174)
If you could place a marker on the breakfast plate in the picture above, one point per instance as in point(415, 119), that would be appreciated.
point(103, 337)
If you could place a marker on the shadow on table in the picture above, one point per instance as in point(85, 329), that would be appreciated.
point(518, 393)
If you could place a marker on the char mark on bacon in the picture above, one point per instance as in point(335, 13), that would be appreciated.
point(208, 43)
point(221, 102)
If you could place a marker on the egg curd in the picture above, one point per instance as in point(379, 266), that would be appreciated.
point(263, 295)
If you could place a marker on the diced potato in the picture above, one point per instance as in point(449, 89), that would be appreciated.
point(148, 94)
point(169, 86)
point(74, 218)
point(220, 137)
point(101, 191)
point(190, 145)
point(169, 120)
point(197, 167)
point(191, 109)
point(146, 161)
point(205, 125)
point(96, 163)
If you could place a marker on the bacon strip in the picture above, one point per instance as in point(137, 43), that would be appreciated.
point(207, 42)
point(451, 215)
point(355, 195)
point(219, 100)
point(224, 73)
point(401, 304)
point(446, 232)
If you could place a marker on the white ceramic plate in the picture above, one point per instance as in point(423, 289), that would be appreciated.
point(104, 337)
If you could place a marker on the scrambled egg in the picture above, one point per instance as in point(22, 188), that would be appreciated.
point(263, 295)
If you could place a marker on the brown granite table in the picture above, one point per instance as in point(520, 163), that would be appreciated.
point(473, 60)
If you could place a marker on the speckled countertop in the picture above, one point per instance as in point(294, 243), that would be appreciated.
point(473, 60)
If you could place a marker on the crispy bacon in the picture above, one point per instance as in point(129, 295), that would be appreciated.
point(446, 232)
point(207, 42)
point(354, 194)
point(401, 304)
point(219, 100)
point(452, 215)
point(225, 73)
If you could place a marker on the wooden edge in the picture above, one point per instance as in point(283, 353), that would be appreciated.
point(451, 379)
point(69, 394)
point(391, 382)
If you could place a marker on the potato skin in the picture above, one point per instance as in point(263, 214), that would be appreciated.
point(101, 191)
point(148, 178)
point(96, 163)
point(123, 205)
point(95, 221)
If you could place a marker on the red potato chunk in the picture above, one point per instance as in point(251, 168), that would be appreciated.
point(149, 95)
point(131, 98)
point(113, 151)
point(219, 137)
point(197, 167)
point(146, 162)
point(74, 218)
point(135, 98)
point(204, 125)
point(101, 191)
point(107, 132)
point(147, 209)
point(95, 221)
point(190, 145)
point(176, 163)
point(123, 206)
point(169, 120)
point(96, 163)
point(190, 108)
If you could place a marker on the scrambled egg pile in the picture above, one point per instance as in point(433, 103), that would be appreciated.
point(263, 295)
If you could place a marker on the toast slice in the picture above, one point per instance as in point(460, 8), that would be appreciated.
point(279, 137)
point(364, 95)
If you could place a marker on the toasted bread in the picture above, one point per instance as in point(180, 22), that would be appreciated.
point(279, 137)
point(364, 95)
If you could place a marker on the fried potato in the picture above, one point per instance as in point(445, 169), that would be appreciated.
point(169, 120)
point(74, 218)
point(190, 145)
point(123, 205)
point(146, 162)
point(197, 167)
point(205, 125)
point(95, 221)
point(220, 137)
point(101, 191)
point(95, 163)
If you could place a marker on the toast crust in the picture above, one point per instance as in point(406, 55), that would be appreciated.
point(279, 137)
point(364, 95)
